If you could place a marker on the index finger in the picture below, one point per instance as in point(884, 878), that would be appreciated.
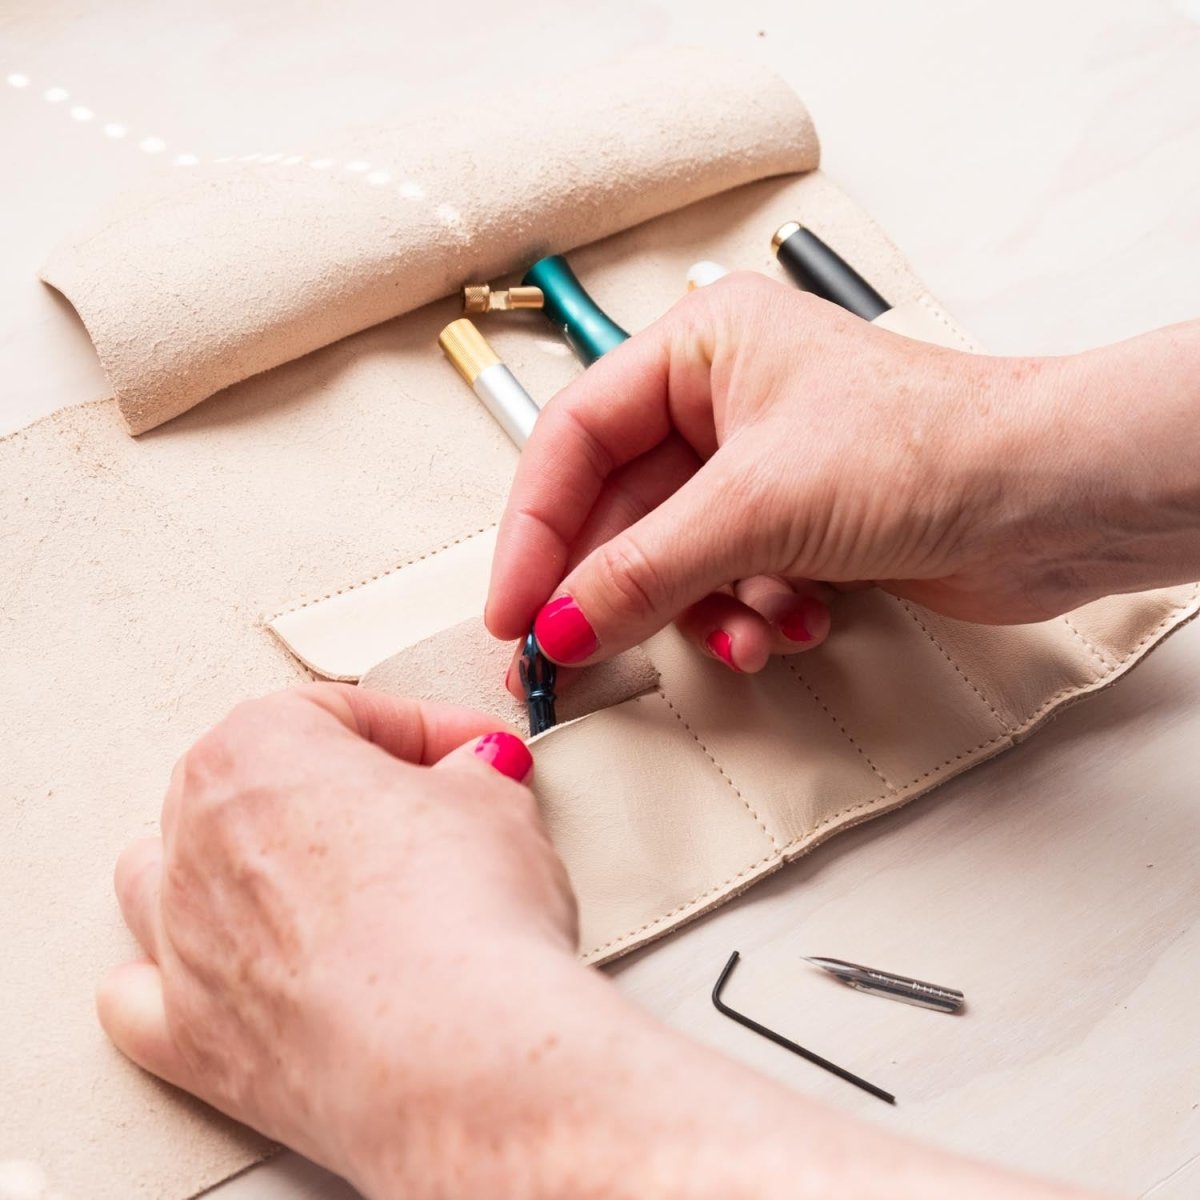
point(619, 409)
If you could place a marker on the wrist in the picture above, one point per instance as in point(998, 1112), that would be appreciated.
point(573, 1092)
point(592, 1098)
point(1081, 474)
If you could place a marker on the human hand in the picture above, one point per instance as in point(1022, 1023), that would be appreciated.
point(757, 438)
point(360, 942)
point(355, 925)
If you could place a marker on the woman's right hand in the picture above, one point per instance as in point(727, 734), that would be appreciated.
point(756, 439)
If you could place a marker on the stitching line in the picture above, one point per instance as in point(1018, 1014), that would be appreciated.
point(904, 604)
point(845, 732)
point(724, 774)
point(770, 858)
point(893, 793)
point(927, 303)
point(1010, 734)
point(1092, 649)
point(351, 587)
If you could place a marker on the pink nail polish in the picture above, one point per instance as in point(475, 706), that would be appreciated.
point(809, 621)
point(506, 753)
point(720, 645)
point(794, 627)
point(564, 633)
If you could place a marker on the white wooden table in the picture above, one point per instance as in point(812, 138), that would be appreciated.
point(1040, 165)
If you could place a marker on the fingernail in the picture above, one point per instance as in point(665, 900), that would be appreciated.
point(563, 632)
point(720, 645)
point(506, 753)
point(809, 621)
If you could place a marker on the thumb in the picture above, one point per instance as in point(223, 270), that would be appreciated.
point(133, 1013)
point(501, 752)
point(642, 578)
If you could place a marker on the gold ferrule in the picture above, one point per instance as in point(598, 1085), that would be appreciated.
point(467, 349)
point(784, 232)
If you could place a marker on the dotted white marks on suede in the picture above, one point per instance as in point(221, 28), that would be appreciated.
point(370, 173)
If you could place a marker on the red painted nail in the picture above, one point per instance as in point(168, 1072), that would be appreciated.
point(506, 753)
point(564, 633)
point(809, 621)
point(794, 627)
point(720, 645)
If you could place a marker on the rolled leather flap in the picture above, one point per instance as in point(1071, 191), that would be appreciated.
point(189, 289)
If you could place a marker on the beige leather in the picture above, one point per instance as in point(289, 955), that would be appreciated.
point(466, 665)
point(925, 320)
point(139, 574)
point(342, 635)
point(187, 291)
point(667, 805)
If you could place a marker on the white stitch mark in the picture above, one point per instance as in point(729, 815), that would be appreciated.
point(17, 80)
point(81, 112)
point(350, 587)
point(114, 129)
point(791, 666)
point(410, 190)
point(1012, 735)
point(724, 774)
point(55, 95)
point(1092, 649)
point(152, 145)
point(904, 604)
point(657, 921)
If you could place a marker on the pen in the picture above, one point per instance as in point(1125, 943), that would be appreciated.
point(590, 331)
point(490, 380)
point(819, 269)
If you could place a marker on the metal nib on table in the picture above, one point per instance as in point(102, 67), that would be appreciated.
point(895, 987)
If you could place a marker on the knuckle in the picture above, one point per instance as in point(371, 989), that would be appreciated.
point(627, 574)
point(211, 771)
point(742, 292)
point(573, 414)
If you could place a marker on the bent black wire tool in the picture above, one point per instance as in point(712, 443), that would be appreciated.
point(787, 1043)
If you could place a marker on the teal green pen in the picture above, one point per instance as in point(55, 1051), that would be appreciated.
point(589, 330)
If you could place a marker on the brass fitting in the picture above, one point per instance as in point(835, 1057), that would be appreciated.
point(480, 298)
